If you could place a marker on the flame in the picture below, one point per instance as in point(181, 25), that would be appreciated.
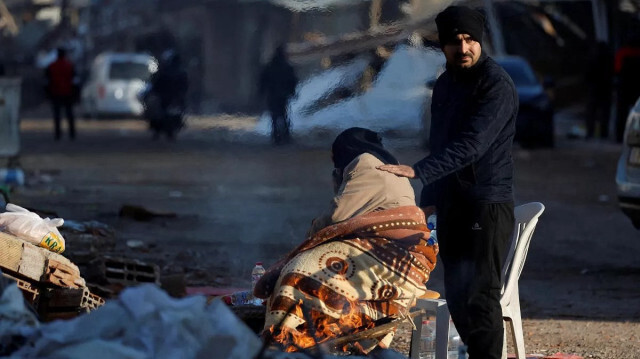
point(321, 329)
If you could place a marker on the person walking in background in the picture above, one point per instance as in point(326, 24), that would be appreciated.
point(600, 79)
point(170, 84)
point(62, 91)
point(468, 175)
point(627, 69)
point(278, 83)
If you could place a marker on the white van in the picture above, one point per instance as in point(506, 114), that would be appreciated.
point(114, 81)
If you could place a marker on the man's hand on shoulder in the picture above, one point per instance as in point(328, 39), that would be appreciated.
point(399, 170)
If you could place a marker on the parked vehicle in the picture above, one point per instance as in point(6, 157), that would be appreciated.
point(628, 172)
point(114, 81)
point(534, 126)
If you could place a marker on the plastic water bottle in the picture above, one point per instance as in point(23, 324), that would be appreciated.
point(431, 224)
point(12, 176)
point(428, 340)
point(257, 273)
point(240, 298)
point(456, 348)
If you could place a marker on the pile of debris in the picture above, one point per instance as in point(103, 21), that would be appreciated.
point(143, 322)
point(132, 317)
point(50, 282)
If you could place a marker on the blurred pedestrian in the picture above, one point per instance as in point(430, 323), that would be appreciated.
point(170, 84)
point(61, 91)
point(627, 69)
point(468, 175)
point(278, 83)
point(600, 80)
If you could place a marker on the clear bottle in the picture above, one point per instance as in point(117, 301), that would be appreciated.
point(456, 348)
point(11, 176)
point(257, 273)
point(240, 298)
point(428, 340)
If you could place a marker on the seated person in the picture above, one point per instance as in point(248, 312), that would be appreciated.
point(368, 257)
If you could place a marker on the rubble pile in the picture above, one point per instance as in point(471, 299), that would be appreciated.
point(51, 283)
point(143, 322)
point(131, 318)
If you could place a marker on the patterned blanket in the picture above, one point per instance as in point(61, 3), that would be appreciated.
point(347, 276)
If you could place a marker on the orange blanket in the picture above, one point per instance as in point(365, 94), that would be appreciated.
point(348, 275)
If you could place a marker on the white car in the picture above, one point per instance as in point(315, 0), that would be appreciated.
point(628, 173)
point(114, 81)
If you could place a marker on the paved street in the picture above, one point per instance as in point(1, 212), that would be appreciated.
point(239, 200)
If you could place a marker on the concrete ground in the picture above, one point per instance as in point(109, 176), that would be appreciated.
point(238, 200)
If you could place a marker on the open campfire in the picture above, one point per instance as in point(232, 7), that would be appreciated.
point(351, 333)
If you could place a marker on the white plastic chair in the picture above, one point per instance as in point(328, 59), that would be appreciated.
point(526, 219)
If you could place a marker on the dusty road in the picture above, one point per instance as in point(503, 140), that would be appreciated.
point(239, 200)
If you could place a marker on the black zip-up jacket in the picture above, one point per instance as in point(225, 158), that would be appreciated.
point(473, 116)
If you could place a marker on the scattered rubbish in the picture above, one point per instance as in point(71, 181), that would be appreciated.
point(12, 176)
point(37, 178)
point(175, 194)
point(62, 275)
point(576, 132)
point(135, 244)
point(124, 271)
point(16, 318)
point(144, 322)
point(45, 178)
point(50, 282)
point(66, 303)
point(92, 227)
point(142, 214)
point(28, 260)
point(238, 298)
point(174, 284)
point(32, 228)
point(88, 240)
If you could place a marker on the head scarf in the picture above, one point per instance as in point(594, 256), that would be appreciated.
point(355, 141)
point(456, 20)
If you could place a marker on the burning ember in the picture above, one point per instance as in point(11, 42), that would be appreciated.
point(321, 329)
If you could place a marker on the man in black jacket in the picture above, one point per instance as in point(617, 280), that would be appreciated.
point(468, 176)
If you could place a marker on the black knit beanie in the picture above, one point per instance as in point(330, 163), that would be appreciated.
point(456, 20)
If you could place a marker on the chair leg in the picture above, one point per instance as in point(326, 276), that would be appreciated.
point(516, 328)
point(504, 340)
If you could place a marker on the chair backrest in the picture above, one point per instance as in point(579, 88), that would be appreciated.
point(526, 218)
